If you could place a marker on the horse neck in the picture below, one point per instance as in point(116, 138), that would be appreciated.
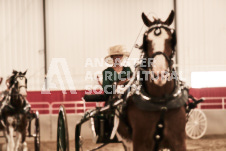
point(16, 101)
point(157, 91)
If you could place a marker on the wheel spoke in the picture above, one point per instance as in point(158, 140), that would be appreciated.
point(196, 124)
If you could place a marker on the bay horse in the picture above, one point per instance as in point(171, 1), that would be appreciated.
point(154, 116)
point(12, 112)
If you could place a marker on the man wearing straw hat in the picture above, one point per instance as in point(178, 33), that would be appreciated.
point(117, 72)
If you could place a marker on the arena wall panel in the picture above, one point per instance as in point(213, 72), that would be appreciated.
point(85, 29)
point(21, 40)
point(201, 36)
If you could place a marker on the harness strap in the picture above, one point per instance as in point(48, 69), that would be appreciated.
point(158, 135)
point(3, 123)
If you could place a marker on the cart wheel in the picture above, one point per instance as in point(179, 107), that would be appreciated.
point(37, 132)
point(62, 131)
point(196, 125)
point(78, 138)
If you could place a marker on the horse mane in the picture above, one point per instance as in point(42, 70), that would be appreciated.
point(11, 80)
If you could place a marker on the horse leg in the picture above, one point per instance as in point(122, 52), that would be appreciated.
point(24, 143)
point(18, 139)
point(175, 135)
point(143, 125)
point(140, 143)
point(124, 134)
point(127, 144)
point(9, 134)
point(178, 145)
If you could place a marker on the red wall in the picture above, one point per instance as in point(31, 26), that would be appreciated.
point(210, 92)
point(58, 96)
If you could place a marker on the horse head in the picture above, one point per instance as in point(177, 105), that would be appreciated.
point(158, 45)
point(18, 88)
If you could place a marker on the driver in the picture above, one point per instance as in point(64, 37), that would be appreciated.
point(117, 72)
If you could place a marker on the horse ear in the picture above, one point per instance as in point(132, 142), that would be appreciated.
point(169, 20)
point(15, 72)
point(25, 72)
point(146, 21)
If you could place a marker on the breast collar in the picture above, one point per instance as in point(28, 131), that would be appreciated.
point(147, 97)
point(144, 101)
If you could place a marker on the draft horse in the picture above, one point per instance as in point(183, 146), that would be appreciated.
point(13, 118)
point(155, 115)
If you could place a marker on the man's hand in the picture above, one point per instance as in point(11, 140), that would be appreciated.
point(120, 89)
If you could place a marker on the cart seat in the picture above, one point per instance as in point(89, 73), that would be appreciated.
point(94, 98)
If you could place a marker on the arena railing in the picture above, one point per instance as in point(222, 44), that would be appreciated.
point(213, 103)
point(40, 106)
point(79, 107)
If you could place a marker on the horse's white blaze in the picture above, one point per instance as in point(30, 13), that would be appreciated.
point(158, 42)
point(159, 63)
point(159, 67)
point(21, 85)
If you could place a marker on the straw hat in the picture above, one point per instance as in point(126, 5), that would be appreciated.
point(116, 50)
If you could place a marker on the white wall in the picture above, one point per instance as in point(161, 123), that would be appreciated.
point(81, 29)
point(201, 36)
point(21, 40)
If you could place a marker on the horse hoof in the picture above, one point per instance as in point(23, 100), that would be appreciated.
point(24, 146)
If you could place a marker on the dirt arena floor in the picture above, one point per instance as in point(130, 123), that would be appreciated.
point(207, 143)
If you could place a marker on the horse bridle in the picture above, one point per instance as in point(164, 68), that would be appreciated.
point(157, 32)
point(16, 82)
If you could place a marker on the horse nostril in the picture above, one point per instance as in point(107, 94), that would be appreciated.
point(156, 75)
